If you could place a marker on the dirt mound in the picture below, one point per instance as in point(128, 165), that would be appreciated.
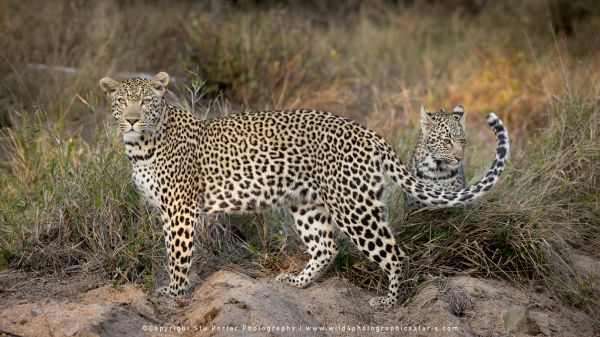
point(233, 304)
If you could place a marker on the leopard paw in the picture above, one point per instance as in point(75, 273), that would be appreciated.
point(382, 302)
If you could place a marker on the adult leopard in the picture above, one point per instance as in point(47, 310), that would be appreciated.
point(328, 169)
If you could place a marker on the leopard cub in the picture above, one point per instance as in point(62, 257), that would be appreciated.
point(437, 157)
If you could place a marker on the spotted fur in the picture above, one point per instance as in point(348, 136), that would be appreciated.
point(437, 157)
point(328, 169)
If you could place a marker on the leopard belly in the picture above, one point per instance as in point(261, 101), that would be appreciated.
point(251, 197)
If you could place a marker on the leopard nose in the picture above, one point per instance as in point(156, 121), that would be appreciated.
point(132, 120)
point(459, 154)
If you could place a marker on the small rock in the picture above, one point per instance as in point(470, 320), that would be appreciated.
point(180, 303)
point(458, 301)
point(85, 333)
point(546, 331)
point(232, 301)
point(516, 319)
point(36, 311)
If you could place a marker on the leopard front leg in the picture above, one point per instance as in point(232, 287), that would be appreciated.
point(178, 231)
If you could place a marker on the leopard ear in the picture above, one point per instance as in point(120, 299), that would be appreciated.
point(458, 111)
point(159, 82)
point(425, 119)
point(108, 85)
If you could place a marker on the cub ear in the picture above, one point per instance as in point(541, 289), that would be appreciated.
point(159, 82)
point(108, 85)
point(458, 111)
point(425, 119)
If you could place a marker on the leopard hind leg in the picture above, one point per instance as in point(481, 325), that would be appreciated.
point(313, 222)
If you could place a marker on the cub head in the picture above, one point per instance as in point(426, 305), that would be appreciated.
point(137, 103)
point(444, 135)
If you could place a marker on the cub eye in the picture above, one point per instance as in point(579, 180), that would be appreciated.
point(121, 100)
point(447, 141)
point(146, 101)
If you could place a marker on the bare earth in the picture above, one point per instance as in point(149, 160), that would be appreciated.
point(229, 303)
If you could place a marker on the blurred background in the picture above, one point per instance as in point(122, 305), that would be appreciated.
point(67, 202)
point(378, 60)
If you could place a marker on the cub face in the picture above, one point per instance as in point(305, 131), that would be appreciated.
point(444, 135)
point(136, 103)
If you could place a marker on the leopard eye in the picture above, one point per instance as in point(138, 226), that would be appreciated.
point(447, 141)
point(121, 101)
point(146, 101)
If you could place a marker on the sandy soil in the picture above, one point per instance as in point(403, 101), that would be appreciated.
point(230, 303)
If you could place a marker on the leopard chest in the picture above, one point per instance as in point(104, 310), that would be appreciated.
point(144, 178)
point(439, 175)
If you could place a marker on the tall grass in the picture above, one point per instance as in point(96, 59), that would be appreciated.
point(68, 203)
point(524, 229)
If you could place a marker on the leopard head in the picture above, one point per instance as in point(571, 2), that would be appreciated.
point(443, 135)
point(137, 103)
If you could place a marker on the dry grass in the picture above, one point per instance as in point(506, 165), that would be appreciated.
point(67, 202)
